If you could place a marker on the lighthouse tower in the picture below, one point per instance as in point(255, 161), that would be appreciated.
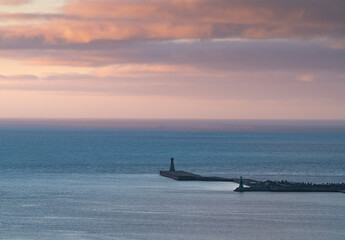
point(172, 166)
point(240, 188)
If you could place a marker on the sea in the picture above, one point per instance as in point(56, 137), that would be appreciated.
point(99, 179)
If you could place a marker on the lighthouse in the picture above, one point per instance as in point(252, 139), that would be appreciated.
point(240, 188)
point(172, 166)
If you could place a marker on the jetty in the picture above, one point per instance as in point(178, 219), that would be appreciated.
point(187, 176)
point(250, 185)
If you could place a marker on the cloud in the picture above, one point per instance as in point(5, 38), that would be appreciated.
point(195, 85)
point(19, 77)
point(14, 2)
point(204, 19)
point(227, 56)
point(147, 69)
point(33, 16)
point(252, 52)
point(308, 77)
point(86, 21)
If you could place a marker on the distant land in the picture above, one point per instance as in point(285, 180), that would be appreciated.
point(180, 124)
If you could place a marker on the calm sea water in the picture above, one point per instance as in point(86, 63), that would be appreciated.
point(99, 181)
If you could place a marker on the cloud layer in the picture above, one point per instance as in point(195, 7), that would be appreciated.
point(90, 20)
point(239, 53)
point(14, 2)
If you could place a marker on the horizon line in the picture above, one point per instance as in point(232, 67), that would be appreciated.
point(173, 119)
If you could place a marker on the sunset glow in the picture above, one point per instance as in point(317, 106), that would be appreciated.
point(172, 59)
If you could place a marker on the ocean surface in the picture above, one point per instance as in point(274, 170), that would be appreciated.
point(78, 179)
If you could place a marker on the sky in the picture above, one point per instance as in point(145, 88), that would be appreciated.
point(172, 59)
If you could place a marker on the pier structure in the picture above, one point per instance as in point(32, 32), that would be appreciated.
point(187, 176)
point(286, 186)
point(253, 185)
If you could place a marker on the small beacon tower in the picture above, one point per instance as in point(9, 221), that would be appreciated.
point(240, 188)
point(172, 166)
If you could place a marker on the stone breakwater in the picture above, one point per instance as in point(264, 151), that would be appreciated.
point(286, 186)
point(251, 185)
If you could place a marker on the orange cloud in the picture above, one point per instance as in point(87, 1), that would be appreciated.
point(215, 18)
point(131, 51)
point(147, 69)
point(308, 77)
point(90, 20)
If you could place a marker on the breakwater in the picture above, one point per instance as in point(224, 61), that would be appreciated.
point(287, 186)
point(250, 185)
point(187, 176)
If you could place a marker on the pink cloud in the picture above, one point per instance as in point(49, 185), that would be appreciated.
point(234, 53)
point(258, 55)
point(307, 77)
point(87, 21)
point(200, 84)
point(18, 77)
point(14, 2)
